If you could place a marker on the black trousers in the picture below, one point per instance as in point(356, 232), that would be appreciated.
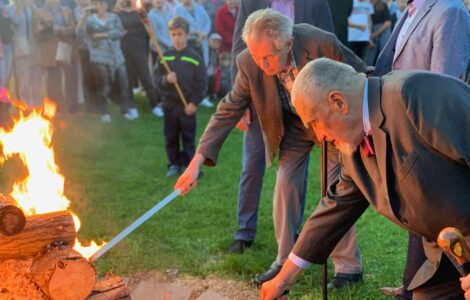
point(88, 80)
point(138, 69)
point(179, 127)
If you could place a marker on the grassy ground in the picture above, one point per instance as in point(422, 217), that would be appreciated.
point(116, 172)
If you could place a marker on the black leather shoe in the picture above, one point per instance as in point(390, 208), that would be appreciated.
point(239, 246)
point(342, 280)
point(268, 275)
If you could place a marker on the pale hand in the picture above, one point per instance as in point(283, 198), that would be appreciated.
point(466, 286)
point(244, 121)
point(273, 289)
point(188, 179)
point(171, 78)
point(190, 109)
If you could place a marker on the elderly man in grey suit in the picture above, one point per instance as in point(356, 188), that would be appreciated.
point(277, 50)
point(405, 158)
point(433, 35)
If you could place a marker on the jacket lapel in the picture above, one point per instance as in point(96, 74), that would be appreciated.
point(419, 17)
point(378, 135)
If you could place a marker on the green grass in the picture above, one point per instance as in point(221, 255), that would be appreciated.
point(116, 172)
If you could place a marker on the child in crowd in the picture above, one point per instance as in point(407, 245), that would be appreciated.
point(222, 76)
point(360, 25)
point(189, 71)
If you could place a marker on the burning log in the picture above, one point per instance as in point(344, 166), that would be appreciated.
point(12, 219)
point(112, 288)
point(15, 283)
point(63, 274)
point(39, 232)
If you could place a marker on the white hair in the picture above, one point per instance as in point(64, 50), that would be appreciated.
point(322, 76)
point(268, 21)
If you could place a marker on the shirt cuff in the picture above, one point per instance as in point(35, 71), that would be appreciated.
point(299, 262)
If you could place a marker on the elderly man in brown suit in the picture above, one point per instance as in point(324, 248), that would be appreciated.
point(277, 50)
point(54, 24)
point(403, 152)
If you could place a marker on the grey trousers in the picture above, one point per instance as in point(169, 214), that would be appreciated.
point(294, 150)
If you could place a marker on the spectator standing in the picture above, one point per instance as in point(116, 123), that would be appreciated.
point(159, 17)
point(54, 28)
point(86, 75)
point(26, 70)
point(433, 35)
point(189, 71)
point(104, 30)
point(170, 6)
point(222, 76)
point(360, 25)
point(225, 19)
point(6, 50)
point(211, 7)
point(398, 13)
point(340, 11)
point(381, 30)
point(134, 46)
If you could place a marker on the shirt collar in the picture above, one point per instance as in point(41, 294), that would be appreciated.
point(365, 109)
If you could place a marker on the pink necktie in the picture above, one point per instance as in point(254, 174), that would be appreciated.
point(367, 148)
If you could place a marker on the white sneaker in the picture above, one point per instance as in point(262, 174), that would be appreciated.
point(128, 116)
point(106, 118)
point(134, 113)
point(158, 111)
point(206, 103)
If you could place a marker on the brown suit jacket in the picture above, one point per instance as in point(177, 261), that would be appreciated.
point(252, 85)
point(420, 175)
point(46, 40)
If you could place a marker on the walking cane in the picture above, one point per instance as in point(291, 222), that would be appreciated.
point(324, 185)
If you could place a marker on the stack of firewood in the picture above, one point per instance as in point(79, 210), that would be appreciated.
point(37, 260)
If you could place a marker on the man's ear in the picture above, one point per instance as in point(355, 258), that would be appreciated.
point(337, 102)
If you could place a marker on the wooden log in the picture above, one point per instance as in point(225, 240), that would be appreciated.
point(12, 218)
point(39, 232)
point(63, 274)
point(15, 282)
point(112, 288)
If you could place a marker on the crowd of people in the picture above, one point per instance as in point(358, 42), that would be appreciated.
point(250, 55)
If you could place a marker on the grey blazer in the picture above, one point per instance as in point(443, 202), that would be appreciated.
point(437, 40)
point(253, 86)
point(420, 176)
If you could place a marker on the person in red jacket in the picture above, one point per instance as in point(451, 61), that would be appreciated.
point(225, 18)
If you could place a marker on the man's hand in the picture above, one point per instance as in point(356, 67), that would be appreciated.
point(273, 289)
point(466, 286)
point(245, 121)
point(190, 109)
point(188, 179)
point(171, 78)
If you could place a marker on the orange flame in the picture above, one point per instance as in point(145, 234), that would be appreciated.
point(42, 191)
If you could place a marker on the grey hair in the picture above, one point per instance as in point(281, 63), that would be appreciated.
point(277, 26)
point(322, 76)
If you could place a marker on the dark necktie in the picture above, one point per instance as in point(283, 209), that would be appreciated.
point(367, 148)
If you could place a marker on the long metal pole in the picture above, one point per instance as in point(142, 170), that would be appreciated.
point(324, 185)
point(134, 225)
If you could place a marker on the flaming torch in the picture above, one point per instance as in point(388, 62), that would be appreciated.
point(153, 38)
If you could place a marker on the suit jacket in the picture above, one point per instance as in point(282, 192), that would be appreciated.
point(253, 86)
point(313, 12)
point(47, 41)
point(419, 178)
point(437, 40)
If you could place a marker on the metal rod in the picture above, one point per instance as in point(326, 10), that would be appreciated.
point(153, 38)
point(324, 186)
point(134, 225)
